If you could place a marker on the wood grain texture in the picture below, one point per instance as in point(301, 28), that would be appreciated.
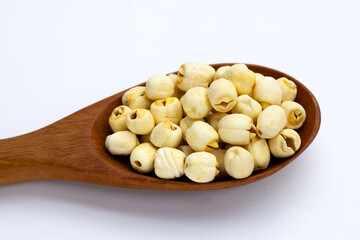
point(73, 149)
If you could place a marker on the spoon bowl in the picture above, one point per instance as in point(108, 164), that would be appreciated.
point(74, 149)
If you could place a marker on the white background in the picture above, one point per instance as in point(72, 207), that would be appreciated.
point(57, 57)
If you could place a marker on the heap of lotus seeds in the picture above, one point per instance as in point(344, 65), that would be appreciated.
point(207, 124)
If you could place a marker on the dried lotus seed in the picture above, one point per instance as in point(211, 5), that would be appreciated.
point(136, 98)
point(169, 163)
point(167, 109)
point(121, 143)
point(140, 121)
point(222, 95)
point(194, 74)
point(285, 144)
point(260, 152)
point(220, 155)
point(196, 103)
point(142, 158)
point(236, 129)
point(248, 106)
point(159, 87)
point(267, 92)
point(202, 137)
point(185, 123)
point(271, 121)
point(258, 76)
point(173, 77)
point(295, 114)
point(166, 134)
point(117, 119)
point(288, 89)
point(215, 118)
point(238, 162)
point(220, 72)
point(178, 93)
point(186, 149)
point(242, 78)
point(201, 167)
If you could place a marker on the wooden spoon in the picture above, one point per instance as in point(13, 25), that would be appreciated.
point(73, 149)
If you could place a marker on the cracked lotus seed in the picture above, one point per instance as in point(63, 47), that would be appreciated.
point(295, 114)
point(285, 144)
point(140, 121)
point(167, 109)
point(117, 119)
point(288, 89)
point(222, 95)
point(166, 134)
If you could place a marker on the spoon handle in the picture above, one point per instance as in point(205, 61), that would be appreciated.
point(25, 158)
point(60, 151)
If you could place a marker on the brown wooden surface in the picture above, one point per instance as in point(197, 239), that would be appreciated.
point(73, 149)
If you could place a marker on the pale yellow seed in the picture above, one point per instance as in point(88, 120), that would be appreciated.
point(136, 98)
point(242, 78)
point(194, 74)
